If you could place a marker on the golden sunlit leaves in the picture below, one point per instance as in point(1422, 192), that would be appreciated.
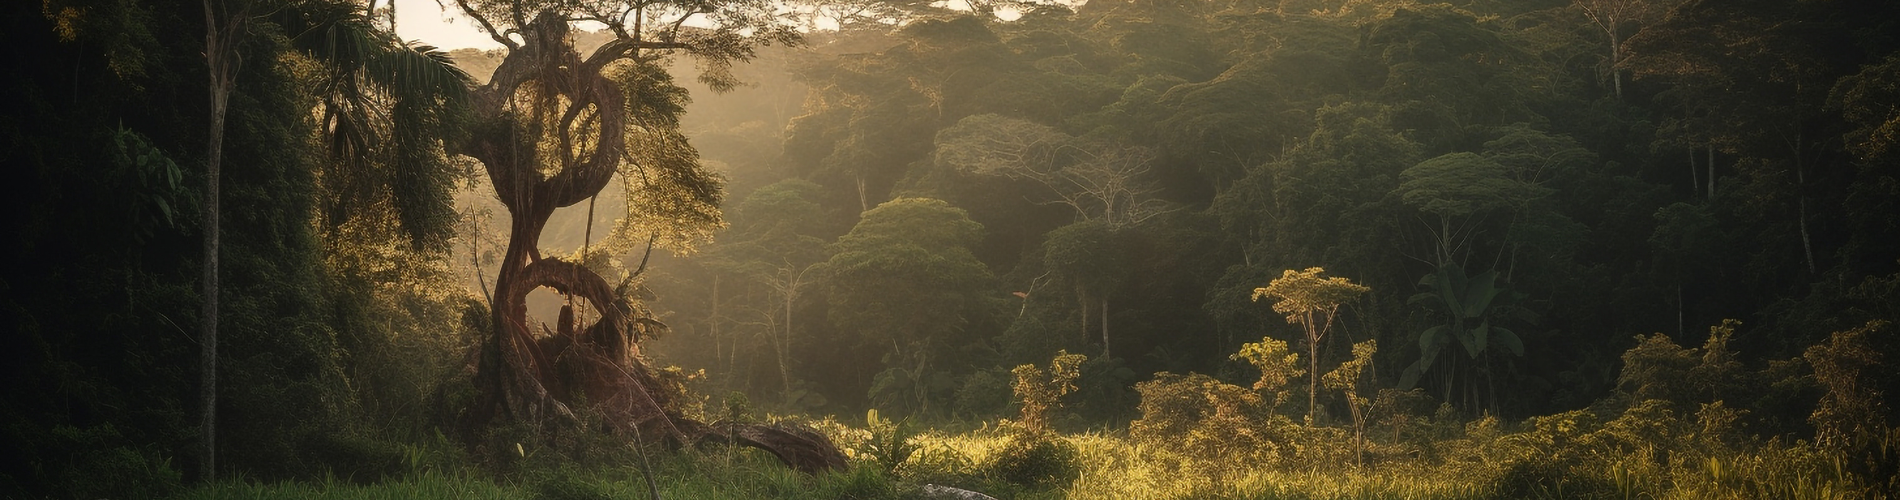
point(1277, 364)
point(1301, 293)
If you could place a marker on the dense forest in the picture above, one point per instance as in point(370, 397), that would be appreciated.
point(902, 249)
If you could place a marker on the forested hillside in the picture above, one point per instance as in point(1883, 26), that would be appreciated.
point(1105, 249)
point(1136, 169)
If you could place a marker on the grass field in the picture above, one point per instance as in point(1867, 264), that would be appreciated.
point(1110, 466)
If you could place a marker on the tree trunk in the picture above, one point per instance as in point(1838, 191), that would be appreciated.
point(785, 343)
point(208, 337)
point(1082, 299)
point(519, 378)
point(1358, 428)
point(1801, 197)
point(524, 379)
point(221, 65)
point(1104, 326)
point(1616, 56)
point(1312, 372)
point(1711, 170)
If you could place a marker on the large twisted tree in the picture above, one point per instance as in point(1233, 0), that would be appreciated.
point(552, 129)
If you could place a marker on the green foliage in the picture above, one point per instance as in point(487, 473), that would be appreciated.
point(1198, 416)
point(1867, 99)
point(153, 182)
point(1656, 368)
point(737, 408)
point(565, 484)
point(1041, 391)
point(1348, 375)
point(1851, 421)
point(904, 276)
point(1659, 369)
point(1035, 459)
point(889, 443)
point(985, 393)
point(1277, 366)
point(1302, 294)
point(1469, 306)
point(1304, 133)
point(1850, 413)
point(1087, 253)
point(1346, 379)
point(98, 466)
point(1457, 185)
point(1312, 302)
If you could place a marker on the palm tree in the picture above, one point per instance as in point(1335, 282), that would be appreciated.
point(386, 107)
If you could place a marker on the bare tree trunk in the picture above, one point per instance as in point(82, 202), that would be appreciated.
point(785, 343)
point(208, 338)
point(1358, 428)
point(1082, 299)
point(1801, 196)
point(221, 64)
point(712, 326)
point(1711, 170)
point(1104, 326)
point(1616, 56)
point(1312, 372)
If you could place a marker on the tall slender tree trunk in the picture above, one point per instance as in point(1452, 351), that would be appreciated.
point(1616, 56)
point(1104, 326)
point(221, 65)
point(1082, 298)
point(1711, 170)
point(1801, 198)
point(1312, 372)
point(785, 343)
point(208, 337)
point(1695, 179)
point(864, 201)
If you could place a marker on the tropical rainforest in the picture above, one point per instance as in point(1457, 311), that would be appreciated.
point(881, 249)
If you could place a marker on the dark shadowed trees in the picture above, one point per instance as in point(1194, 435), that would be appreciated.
point(905, 276)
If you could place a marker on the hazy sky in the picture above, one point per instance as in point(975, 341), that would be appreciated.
point(424, 20)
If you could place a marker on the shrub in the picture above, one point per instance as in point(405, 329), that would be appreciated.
point(737, 409)
point(939, 464)
point(889, 443)
point(356, 458)
point(984, 394)
point(1850, 414)
point(1041, 391)
point(1657, 368)
point(1035, 459)
point(96, 462)
point(1277, 366)
point(1546, 477)
point(1199, 416)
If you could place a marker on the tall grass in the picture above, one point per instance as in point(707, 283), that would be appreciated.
point(1113, 466)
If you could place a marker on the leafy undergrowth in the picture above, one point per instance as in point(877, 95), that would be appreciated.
point(1010, 464)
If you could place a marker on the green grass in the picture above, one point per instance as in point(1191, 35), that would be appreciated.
point(1116, 467)
point(427, 486)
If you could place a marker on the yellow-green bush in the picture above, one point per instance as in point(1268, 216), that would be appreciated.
point(1035, 459)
